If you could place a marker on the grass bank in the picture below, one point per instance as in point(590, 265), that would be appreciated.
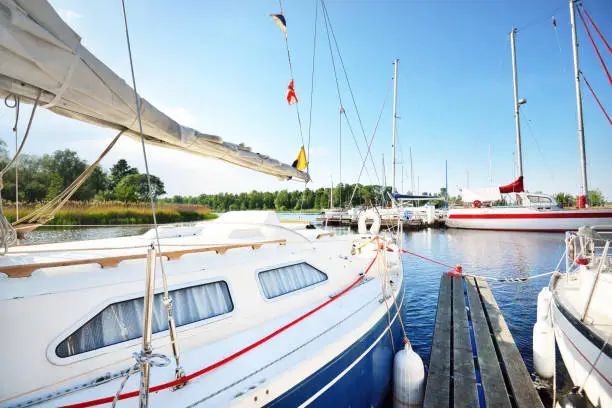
point(115, 213)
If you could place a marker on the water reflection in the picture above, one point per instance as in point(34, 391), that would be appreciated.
point(488, 253)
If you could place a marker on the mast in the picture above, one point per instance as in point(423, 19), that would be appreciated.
point(490, 166)
point(384, 180)
point(411, 173)
point(579, 105)
point(517, 103)
point(340, 151)
point(331, 194)
point(446, 176)
point(395, 63)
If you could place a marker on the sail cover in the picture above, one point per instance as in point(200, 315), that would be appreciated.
point(515, 187)
point(39, 52)
point(487, 194)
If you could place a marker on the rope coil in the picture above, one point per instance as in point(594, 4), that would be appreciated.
point(142, 359)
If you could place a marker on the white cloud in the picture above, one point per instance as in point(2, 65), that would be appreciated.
point(182, 116)
point(69, 16)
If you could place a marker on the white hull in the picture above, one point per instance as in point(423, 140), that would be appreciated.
point(525, 219)
point(293, 336)
point(580, 356)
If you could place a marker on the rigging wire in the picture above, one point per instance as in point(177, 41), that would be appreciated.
point(586, 28)
point(371, 140)
point(297, 109)
point(167, 300)
point(541, 19)
point(312, 78)
point(8, 234)
point(596, 98)
point(15, 105)
point(333, 35)
point(596, 29)
point(342, 110)
point(532, 134)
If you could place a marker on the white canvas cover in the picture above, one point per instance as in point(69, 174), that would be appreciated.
point(469, 195)
point(39, 51)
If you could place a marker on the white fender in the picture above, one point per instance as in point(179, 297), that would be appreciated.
point(408, 379)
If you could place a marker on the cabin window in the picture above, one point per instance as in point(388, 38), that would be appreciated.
point(279, 281)
point(539, 199)
point(122, 321)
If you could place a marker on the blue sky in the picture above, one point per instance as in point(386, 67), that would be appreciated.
point(221, 67)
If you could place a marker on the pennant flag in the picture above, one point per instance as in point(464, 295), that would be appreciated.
point(280, 21)
point(300, 163)
point(291, 96)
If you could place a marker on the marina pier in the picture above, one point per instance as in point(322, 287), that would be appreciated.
point(474, 358)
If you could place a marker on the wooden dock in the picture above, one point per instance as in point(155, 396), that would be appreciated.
point(473, 355)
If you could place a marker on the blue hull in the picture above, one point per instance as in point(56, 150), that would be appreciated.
point(366, 384)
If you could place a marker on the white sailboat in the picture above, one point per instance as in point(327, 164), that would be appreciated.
point(575, 311)
point(532, 211)
point(250, 311)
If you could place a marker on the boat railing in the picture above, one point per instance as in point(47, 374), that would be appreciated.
point(25, 270)
point(602, 264)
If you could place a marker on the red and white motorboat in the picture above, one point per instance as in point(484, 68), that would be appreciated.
point(529, 211)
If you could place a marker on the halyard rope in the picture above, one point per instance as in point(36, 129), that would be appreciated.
point(8, 235)
point(166, 298)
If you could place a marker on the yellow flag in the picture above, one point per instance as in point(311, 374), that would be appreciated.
point(300, 163)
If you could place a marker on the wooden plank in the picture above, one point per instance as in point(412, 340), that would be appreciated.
point(437, 391)
point(519, 381)
point(464, 377)
point(22, 271)
point(491, 377)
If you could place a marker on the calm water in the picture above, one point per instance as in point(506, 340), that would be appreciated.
point(488, 253)
point(496, 254)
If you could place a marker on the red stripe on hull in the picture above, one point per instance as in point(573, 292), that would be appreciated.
point(532, 216)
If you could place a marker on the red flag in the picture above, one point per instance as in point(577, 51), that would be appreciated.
point(291, 97)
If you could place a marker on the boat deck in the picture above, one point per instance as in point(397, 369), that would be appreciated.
point(474, 360)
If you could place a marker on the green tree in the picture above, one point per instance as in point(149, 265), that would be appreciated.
point(281, 202)
point(565, 199)
point(98, 181)
point(68, 166)
point(120, 170)
point(126, 191)
point(56, 187)
point(134, 187)
point(596, 198)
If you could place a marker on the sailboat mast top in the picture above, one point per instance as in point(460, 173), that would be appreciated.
point(578, 101)
point(516, 104)
point(395, 63)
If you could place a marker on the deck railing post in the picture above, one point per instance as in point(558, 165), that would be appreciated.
point(147, 330)
point(604, 255)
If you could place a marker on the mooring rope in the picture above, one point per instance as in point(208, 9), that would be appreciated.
point(8, 235)
point(46, 213)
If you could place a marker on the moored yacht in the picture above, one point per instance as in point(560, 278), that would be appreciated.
point(576, 306)
point(265, 315)
point(531, 212)
point(242, 311)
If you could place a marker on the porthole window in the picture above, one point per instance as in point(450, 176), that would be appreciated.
point(279, 281)
point(122, 321)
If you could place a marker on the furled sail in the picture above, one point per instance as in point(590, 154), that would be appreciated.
point(515, 187)
point(40, 52)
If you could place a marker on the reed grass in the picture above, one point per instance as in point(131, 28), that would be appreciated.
point(116, 213)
